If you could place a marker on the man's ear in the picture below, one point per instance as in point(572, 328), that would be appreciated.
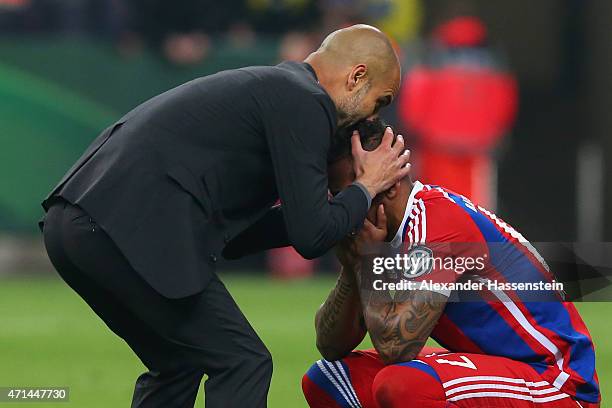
point(392, 192)
point(356, 76)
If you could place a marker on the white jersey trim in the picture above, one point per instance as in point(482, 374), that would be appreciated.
point(398, 238)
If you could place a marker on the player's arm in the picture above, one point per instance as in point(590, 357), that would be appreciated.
point(400, 326)
point(339, 321)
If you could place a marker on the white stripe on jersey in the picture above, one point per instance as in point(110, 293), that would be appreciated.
point(476, 378)
point(536, 400)
point(493, 386)
point(518, 390)
point(415, 230)
point(409, 231)
point(417, 227)
point(516, 235)
point(423, 222)
point(335, 383)
point(343, 382)
point(535, 333)
point(445, 194)
point(348, 381)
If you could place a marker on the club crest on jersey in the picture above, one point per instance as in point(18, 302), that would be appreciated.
point(419, 262)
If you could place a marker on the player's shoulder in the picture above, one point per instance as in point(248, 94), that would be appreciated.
point(441, 200)
point(442, 214)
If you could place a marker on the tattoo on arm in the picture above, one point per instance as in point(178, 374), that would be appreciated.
point(330, 311)
point(339, 322)
point(400, 328)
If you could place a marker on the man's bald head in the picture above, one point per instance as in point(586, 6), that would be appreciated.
point(360, 43)
point(359, 69)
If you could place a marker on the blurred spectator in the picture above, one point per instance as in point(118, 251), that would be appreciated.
point(336, 14)
point(11, 12)
point(98, 17)
point(241, 35)
point(186, 48)
point(400, 19)
point(280, 16)
point(459, 102)
point(296, 46)
point(181, 30)
point(157, 19)
point(286, 263)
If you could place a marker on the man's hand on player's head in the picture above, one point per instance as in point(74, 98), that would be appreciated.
point(379, 169)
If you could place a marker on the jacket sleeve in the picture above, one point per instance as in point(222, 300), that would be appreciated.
point(267, 233)
point(298, 130)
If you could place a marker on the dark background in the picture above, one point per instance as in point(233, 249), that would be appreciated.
point(69, 68)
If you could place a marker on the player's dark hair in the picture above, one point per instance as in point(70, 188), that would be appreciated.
point(370, 131)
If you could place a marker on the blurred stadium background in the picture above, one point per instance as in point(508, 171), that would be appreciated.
point(70, 67)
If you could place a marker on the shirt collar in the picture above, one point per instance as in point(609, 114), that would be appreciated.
point(399, 235)
point(304, 67)
point(311, 70)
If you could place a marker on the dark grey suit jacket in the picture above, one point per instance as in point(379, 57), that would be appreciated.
point(193, 173)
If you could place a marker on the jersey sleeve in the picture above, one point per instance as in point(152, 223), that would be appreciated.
point(443, 233)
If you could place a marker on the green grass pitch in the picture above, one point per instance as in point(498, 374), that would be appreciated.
point(49, 337)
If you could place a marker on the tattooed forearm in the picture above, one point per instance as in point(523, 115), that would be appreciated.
point(333, 305)
point(339, 321)
point(399, 329)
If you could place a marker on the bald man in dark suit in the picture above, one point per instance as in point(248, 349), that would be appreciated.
point(136, 225)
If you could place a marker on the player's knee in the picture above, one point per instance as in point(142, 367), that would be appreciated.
point(327, 384)
point(408, 385)
point(312, 392)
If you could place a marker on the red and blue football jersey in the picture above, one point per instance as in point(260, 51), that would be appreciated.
point(550, 335)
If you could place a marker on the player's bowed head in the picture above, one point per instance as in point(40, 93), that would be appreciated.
point(387, 210)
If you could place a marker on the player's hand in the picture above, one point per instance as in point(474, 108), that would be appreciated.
point(373, 231)
point(349, 250)
point(379, 169)
point(348, 253)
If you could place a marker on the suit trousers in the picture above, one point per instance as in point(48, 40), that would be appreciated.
point(178, 340)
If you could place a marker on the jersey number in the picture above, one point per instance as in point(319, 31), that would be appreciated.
point(467, 363)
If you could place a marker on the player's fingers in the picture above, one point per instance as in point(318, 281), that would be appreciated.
point(356, 148)
point(368, 226)
point(381, 217)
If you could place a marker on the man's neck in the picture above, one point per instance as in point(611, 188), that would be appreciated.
point(322, 71)
point(396, 209)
